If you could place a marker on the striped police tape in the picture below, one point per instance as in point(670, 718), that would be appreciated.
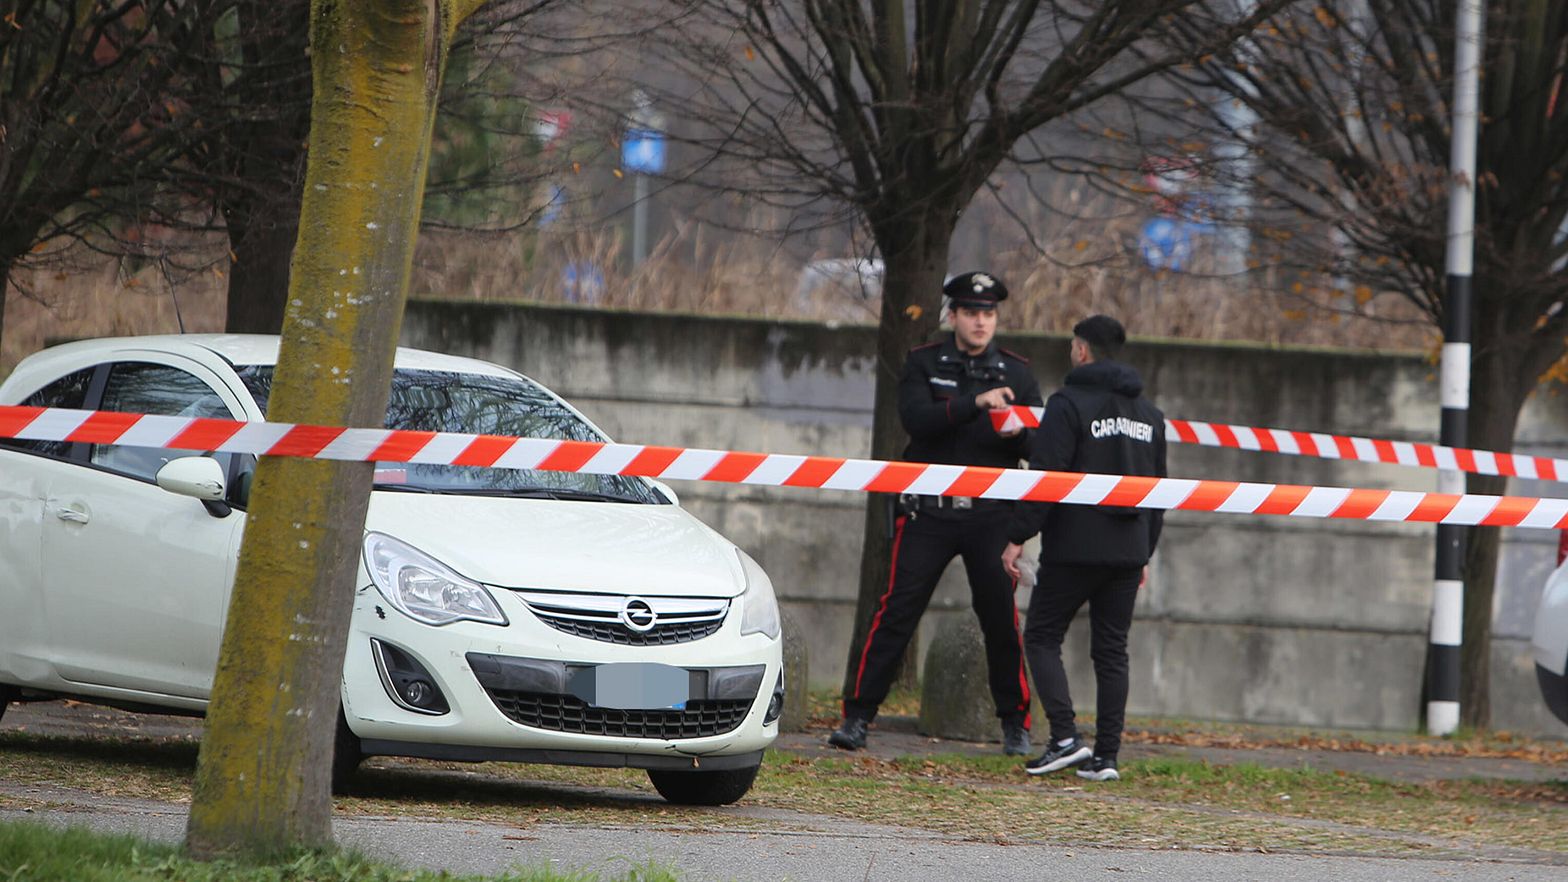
point(1350, 447)
point(781, 470)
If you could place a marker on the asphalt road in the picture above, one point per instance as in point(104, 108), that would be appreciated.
point(780, 844)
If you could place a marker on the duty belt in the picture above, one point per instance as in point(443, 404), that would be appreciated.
point(957, 503)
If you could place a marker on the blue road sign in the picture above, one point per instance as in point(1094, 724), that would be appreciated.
point(643, 151)
point(1165, 243)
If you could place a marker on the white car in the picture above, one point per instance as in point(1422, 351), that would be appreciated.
point(1551, 637)
point(499, 614)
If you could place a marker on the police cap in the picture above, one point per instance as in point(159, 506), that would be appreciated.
point(975, 290)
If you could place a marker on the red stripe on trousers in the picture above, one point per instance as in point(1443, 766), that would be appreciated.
point(1023, 676)
point(898, 537)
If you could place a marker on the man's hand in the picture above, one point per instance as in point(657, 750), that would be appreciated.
point(1010, 556)
point(995, 399)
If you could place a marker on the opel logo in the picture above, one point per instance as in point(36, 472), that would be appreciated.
point(638, 615)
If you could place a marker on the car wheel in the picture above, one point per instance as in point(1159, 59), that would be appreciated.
point(8, 694)
point(720, 787)
point(346, 755)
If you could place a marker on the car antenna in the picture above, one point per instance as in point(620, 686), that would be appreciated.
point(163, 270)
point(177, 317)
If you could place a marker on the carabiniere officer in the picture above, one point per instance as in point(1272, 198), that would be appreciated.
point(945, 396)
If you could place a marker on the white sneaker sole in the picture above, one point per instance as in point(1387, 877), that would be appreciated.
point(1101, 775)
point(1072, 759)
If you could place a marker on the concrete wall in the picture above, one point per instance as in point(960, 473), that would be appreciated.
point(1278, 620)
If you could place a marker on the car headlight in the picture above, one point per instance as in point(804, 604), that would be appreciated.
point(425, 589)
point(759, 608)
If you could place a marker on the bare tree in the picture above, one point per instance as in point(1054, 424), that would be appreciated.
point(262, 779)
point(1347, 127)
point(894, 114)
point(142, 129)
point(91, 115)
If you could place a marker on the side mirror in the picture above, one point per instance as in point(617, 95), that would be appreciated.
point(199, 477)
point(666, 491)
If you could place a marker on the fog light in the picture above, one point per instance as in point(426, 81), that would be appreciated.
point(776, 703)
point(406, 680)
point(417, 692)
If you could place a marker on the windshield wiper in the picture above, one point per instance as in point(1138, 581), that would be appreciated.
point(560, 493)
point(557, 493)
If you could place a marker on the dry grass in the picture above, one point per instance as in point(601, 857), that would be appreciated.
point(1082, 266)
point(1160, 803)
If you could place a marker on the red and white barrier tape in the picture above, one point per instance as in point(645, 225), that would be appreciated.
point(447, 448)
point(1407, 453)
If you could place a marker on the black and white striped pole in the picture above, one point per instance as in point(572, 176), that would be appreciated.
point(1448, 588)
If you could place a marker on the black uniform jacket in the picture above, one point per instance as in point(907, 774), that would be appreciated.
point(936, 403)
point(1098, 422)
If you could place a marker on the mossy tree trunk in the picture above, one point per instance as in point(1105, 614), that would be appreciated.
point(263, 777)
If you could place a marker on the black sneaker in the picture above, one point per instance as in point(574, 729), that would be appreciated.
point(1015, 738)
point(1099, 769)
point(850, 735)
point(1059, 757)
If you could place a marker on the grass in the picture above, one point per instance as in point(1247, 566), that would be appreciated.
point(31, 852)
point(1079, 268)
point(1160, 802)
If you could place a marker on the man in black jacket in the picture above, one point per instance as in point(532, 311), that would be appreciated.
point(1098, 423)
point(945, 396)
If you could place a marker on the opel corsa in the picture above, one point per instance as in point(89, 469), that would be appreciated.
point(498, 614)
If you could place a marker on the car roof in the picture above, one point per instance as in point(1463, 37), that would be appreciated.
point(262, 349)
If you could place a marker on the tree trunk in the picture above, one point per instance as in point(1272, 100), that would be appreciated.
point(268, 156)
point(1497, 395)
point(7, 267)
point(263, 776)
point(911, 306)
point(259, 274)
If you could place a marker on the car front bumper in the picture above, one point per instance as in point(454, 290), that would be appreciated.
point(508, 695)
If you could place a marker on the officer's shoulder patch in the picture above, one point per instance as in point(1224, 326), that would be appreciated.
point(1013, 355)
point(924, 346)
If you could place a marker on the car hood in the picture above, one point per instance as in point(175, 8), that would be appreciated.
point(564, 545)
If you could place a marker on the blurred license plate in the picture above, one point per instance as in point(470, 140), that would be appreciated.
point(632, 685)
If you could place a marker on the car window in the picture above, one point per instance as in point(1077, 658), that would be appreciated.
point(451, 401)
point(141, 387)
point(70, 391)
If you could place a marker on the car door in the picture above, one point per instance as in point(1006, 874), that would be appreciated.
point(137, 578)
point(27, 468)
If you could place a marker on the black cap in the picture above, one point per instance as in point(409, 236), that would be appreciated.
point(975, 290)
point(1104, 335)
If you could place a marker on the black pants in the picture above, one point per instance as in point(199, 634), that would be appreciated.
point(1058, 594)
point(922, 548)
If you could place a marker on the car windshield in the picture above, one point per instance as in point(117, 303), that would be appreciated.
point(449, 401)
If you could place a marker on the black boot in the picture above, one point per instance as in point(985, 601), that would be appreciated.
point(850, 735)
point(1015, 738)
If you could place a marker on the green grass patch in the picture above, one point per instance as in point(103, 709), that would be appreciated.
point(38, 853)
point(1160, 801)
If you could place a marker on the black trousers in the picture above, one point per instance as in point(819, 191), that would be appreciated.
point(922, 548)
point(1058, 594)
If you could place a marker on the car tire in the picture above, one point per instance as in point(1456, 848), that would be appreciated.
point(8, 694)
point(720, 787)
point(346, 755)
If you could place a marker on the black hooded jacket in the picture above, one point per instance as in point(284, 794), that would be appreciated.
point(1098, 423)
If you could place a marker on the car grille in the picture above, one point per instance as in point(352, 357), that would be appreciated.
point(607, 632)
point(598, 617)
point(568, 713)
